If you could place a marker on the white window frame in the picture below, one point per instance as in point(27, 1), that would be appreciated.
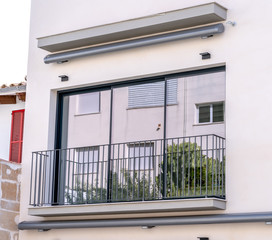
point(211, 112)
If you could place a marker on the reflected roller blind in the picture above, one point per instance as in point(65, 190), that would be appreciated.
point(152, 94)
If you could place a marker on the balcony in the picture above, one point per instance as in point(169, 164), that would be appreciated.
point(142, 171)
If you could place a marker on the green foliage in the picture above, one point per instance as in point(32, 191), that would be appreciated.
point(189, 172)
point(125, 187)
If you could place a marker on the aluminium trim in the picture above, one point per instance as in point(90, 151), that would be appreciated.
point(202, 32)
point(139, 222)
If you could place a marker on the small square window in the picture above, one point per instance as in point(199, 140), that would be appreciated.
point(210, 113)
point(88, 103)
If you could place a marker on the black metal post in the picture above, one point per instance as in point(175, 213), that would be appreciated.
point(109, 182)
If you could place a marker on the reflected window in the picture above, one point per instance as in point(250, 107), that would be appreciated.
point(87, 160)
point(88, 103)
point(210, 113)
point(141, 156)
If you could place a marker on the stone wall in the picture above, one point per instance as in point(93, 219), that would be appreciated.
point(9, 199)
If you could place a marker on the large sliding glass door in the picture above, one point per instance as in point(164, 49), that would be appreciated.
point(153, 139)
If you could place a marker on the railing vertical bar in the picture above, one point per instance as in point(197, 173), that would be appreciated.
point(143, 197)
point(68, 180)
point(97, 173)
point(117, 170)
point(223, 167)
point(50, 186)
point(73, 178)
point(88, 175)
point(200, 169)
point(54, 176)
point(39, 187)
point(216, 167)
point(161, 169)
point(212, 165)
point(113, 170)
point(122, 173)
point(151, 152)
point(218, 172)
point(92, 171)
point(31, 176)
point(102, 173)
point(183, 167)
point(195, 167)
point(189, 167)
point(44, 177)
point(139, 171)
point(177, 167)
point(128, 174)
point(154, 159)
point(171, 168)
point(133, 164)
point(207, 165)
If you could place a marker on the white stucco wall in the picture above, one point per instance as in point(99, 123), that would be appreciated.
point(5, 126)
point(244, 49)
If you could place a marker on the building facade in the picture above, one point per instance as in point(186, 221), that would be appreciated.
point(12, 106)
point(148, 119)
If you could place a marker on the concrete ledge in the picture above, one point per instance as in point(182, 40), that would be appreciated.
point(159, 23)
point(131, 207)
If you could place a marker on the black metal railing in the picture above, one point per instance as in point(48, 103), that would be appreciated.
point(174, 168)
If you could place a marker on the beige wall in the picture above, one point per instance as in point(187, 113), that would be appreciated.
point(244, 49)
point(10, 179)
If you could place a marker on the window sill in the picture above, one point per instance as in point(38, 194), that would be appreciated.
point(84, 114)
point(205, 124)
point(158, 106)
point(199, 204)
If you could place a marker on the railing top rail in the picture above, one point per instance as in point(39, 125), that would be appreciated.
point(130, 142)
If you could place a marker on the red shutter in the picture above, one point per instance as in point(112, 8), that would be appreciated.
point(16, 136)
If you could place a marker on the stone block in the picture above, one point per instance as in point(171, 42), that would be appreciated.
point(8, 220)
point(4, 235)
point(11, 206)
point(9, 172)
point(9, 191)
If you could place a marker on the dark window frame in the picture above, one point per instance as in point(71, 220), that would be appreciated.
point(111, 87)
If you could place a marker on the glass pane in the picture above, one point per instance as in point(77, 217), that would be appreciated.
point(190, 146)
point(218, 112)
point(89, 129)
point(204, 114)
point(85, 144)
point(137, 150)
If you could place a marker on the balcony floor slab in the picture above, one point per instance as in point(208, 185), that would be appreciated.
point(199, 204)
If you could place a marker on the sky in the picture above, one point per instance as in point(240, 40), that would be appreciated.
point(14, 26)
